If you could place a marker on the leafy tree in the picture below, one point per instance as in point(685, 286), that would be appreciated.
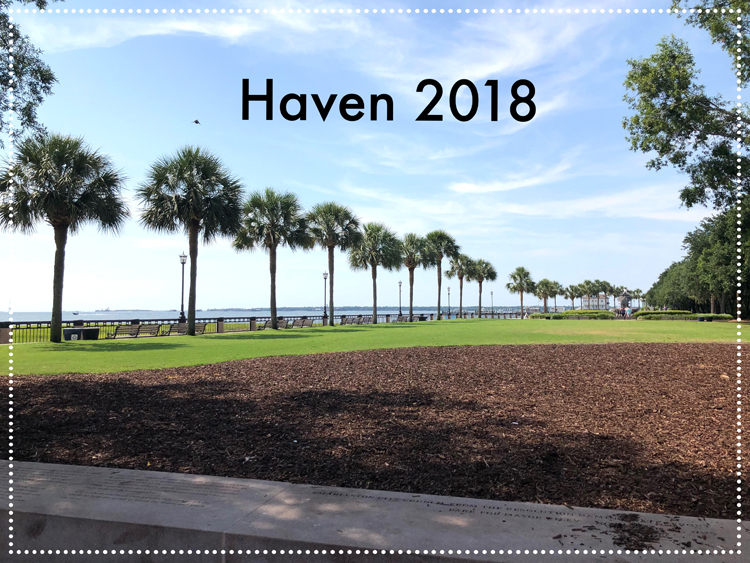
point(273, 219)
point(481, 271)
point(460, 267)
point(59, 180)
point(544, 290)
point(686, 128)
point(333, 226)
point(379, 246)
point(520, 282)
point(23, 91)
point(440, 245)
point(606, 288)
point(413, 254)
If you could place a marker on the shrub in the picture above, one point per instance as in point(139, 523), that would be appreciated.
point(593, 313)
point(714, 316)
point(545, 315)
point(643, 312)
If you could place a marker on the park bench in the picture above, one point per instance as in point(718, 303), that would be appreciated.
point(181, 329)
point(148, 330)
point(307, 323)
point(283, 323)
point(298, 323)
point(124, 330)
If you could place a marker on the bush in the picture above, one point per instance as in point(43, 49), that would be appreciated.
point(643, 312)
point(714, 316)
point(593, 313)
point(545, 315)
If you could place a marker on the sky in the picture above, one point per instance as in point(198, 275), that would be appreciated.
point(562, 195)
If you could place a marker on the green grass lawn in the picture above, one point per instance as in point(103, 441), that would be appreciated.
point(162, 352)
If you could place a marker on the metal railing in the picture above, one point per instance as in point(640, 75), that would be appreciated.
point(23, 332)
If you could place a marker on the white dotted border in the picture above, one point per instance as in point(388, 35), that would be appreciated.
point(401, 552)
point(373, 11)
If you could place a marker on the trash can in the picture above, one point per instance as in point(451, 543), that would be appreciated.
point(81, 333)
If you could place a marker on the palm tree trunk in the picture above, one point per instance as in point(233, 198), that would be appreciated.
point(272, 266)
point(411, 293)
point(573, 302)
point(581, 298)
point(521, 304)
point(61, 238)
point(461, 298)
point(193, 244)
point(330, 287)
point(555, 303)
point(440, 281)
point(480, 300)
point(545, 304)
point(374, 269)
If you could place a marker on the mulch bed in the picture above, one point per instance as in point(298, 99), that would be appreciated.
point(644, 427)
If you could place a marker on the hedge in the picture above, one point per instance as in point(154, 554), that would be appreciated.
point(675, 313)
point(690, 316)
point(594, 314)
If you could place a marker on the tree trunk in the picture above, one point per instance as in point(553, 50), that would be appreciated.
point(461, 297)
point(722, 304)
point(61, 238)
point(573, 302)
point(193, 244)
point(440, 282)
point(713, 304)
point(545, 304)
point(411, 293)
point(581, 298)
point(330, 286)
point(374, 269)
point(272, 266)
point(480, 300)
point(522, 305)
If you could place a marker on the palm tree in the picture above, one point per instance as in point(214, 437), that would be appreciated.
point(520, 282)
point(194, 192)
point(544, 290)
point(588, 289)
point(616, 292)
point(606, 288)
point(571, 292)
point(440, 245)
point(60, 180)
point(333, 226)
point(379, 247)
point(480, 271)
point(557, 289)
point(413, 254)
point(637, 294)
point(460, 266)
point(273, 219)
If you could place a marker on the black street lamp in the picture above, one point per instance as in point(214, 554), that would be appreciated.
point(399, 299)
point(183, 261)
point(449, 302)
point(325, 277)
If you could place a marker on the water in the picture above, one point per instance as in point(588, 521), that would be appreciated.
point(227, 313)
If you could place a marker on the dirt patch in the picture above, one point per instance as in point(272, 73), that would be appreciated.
point(642, 427)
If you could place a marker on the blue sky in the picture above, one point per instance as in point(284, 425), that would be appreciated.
point(561, 195)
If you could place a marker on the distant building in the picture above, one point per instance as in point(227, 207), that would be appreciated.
point(599, 302)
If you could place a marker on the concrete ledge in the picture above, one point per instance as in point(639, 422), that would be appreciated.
point(74, 508)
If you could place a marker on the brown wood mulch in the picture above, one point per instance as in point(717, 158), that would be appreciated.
point(644, 427)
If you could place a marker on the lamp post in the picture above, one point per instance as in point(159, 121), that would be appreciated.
point(399, 299)
point(325, 277)
point(449, 302)
point(492, 301)
point(183, 261)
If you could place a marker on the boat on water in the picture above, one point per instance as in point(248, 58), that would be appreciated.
point(102, 310)
point(76, 312)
